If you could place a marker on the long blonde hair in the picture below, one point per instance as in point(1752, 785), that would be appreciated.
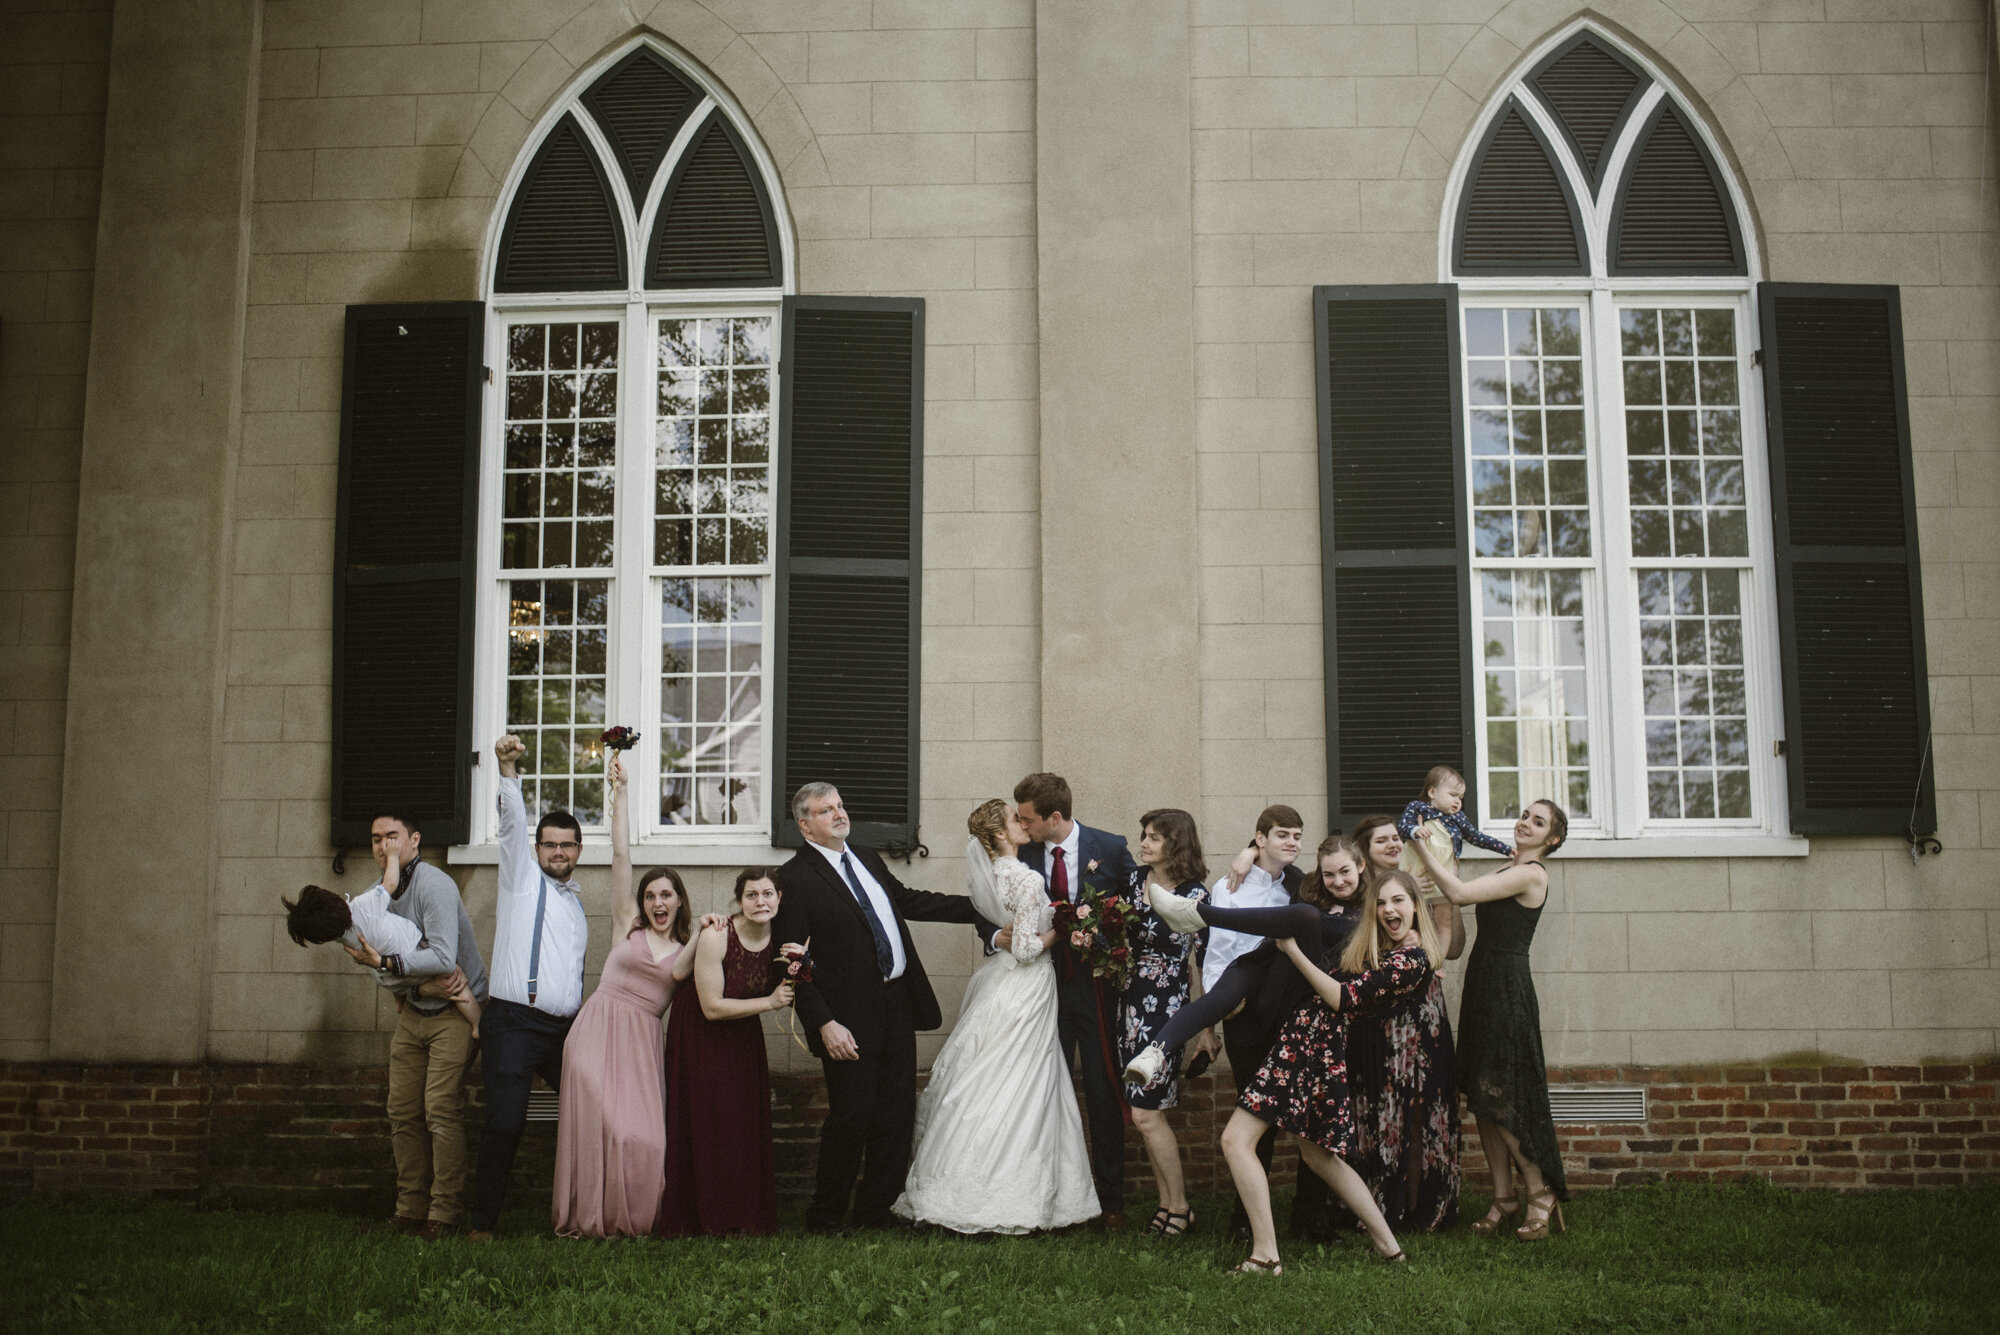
point(1370, 940)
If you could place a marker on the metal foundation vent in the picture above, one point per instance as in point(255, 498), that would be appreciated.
point(544, 1104)
point(1579, 1103)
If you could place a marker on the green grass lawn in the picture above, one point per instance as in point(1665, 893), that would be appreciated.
point(1748, 1258)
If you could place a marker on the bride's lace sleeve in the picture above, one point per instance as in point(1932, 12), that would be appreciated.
point(1030, 905)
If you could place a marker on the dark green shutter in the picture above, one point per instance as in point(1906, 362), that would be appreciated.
point(1850, 591)
point(1394, 546)
point(849, 559)
point(405, 543)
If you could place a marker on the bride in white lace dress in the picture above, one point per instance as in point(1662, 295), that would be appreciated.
point(999, 1142)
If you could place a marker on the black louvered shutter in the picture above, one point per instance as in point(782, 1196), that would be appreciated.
point(849, 559)
point(563, 233)
point(1850, 591)
point(1393, 541)
point(1518, 216)
point(405, 542)
point(715, 228)
point(1673, 216)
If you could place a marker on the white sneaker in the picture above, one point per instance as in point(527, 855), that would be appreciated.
point(1145, 1068)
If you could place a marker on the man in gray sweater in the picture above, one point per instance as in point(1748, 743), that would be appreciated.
point(432, 1047)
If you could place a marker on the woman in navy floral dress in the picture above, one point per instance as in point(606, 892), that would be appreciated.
point(1303, 1086)
point(1165, 966)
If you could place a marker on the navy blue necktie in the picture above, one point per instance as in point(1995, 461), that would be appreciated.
point(885, 959)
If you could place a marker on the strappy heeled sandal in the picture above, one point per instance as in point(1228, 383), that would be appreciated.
point(1172, 1229)
point(1158, 1223)
point(1397, 1259)
point(1497, 1215)
point(1535, 1230)
point(1252, 1266)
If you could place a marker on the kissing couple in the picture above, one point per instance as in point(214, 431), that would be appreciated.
point(999, 1139)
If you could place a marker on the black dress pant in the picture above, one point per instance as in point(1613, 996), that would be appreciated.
point(1081, 1035)
point(871, 1120)
point(516, 1044)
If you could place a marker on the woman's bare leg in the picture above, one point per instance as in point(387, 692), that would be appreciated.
point(1503, 1154)
point(1164, 1152)
point(1353, 1193)
point(1253, 1188)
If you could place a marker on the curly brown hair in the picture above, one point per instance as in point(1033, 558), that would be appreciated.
point(1183, 860)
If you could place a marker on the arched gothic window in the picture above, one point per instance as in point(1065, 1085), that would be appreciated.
point(636, 283)
point(1565, 545)
point(1623, 594)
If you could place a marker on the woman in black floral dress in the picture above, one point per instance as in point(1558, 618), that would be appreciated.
point(1303, 1086)
point(1400, 1070)
point(1163, 972)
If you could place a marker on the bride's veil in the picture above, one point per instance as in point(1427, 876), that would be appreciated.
point(981, 885)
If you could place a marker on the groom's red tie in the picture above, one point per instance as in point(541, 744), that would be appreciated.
point(1060, 881)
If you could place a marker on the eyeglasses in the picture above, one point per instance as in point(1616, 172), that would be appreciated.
point(558, 848)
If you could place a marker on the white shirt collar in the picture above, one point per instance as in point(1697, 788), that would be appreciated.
point(1068, 846)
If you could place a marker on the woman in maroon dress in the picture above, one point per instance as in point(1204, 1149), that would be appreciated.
point(718, 1079)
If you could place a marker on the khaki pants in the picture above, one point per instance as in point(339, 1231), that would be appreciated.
point(427, 1062)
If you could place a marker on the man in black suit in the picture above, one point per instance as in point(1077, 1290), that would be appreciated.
point(1071, 856)
point(861, 1012)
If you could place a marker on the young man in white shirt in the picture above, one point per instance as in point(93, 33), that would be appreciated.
point(535, 984)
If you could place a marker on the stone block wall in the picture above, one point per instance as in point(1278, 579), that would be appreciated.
point(52, 82)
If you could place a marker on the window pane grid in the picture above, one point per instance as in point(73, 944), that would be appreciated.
point(1696, 709)
point(712, 442)
point(558, 484)
point(1535, 682)
point(1530, 469)
point(711, 701)
point(557, 648)
point(1683, 433)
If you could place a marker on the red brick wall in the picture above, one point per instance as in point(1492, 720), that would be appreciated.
point(271, 1136)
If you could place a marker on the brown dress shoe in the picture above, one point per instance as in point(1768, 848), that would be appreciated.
point(1112, 1221)
point(478, 1235)
point(435, 1229)
point(401, 1223)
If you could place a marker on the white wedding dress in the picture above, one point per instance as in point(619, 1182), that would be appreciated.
point(999, 1141)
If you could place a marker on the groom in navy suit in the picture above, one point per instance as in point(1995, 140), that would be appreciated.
point(1070, 856)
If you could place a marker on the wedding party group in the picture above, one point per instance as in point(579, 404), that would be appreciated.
point(1104, 972)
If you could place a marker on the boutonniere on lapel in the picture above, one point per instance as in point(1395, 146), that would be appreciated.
point(1090, 867)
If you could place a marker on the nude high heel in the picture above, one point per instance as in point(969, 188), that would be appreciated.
point(1535, 1230)
point(1497, 1215)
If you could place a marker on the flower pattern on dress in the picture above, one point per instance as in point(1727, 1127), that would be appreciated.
point(1406, 1110)
point(1162, 977)
point(1303, 1085)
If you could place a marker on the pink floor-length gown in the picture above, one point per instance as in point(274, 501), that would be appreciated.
point(611, 1141)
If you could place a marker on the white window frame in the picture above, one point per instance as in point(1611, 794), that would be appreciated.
point(1619, 825)
point(632, 687)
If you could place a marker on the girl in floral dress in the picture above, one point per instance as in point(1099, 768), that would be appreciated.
point(1303, 1086)
point(1164, 968)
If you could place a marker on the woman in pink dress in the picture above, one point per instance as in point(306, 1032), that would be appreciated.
point(722, 1175)
point(611, 1144)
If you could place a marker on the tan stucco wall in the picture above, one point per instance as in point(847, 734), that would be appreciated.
point(52, 72)
point(1317, 153)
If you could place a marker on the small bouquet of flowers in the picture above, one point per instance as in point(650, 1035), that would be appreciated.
point(620, 738)
point(1099, 928)
point(792, 964)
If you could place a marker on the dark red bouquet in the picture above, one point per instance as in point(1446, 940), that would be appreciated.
point(792, 964)
point(620, 739)
point(1099, 928)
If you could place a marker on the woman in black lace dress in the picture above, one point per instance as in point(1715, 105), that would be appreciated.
point(1500, 1062)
